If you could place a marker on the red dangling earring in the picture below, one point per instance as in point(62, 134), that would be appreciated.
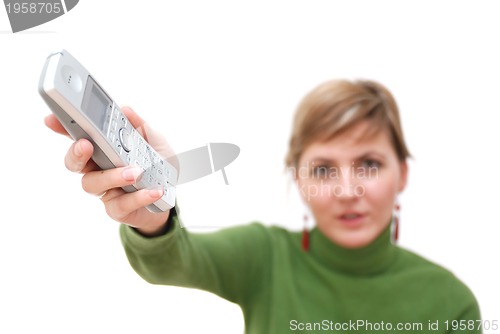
point(395, 222)
point(305, 236)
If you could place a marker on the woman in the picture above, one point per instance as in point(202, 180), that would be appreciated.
point(348, 158)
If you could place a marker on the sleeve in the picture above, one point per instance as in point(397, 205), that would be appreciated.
point(468, 315)
point(231, 262)
point(472, 318)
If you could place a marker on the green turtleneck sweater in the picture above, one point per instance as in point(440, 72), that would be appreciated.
point(381, 288)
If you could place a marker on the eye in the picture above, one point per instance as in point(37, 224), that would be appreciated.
point(320, 172)
point(370, 164)
point(369, 168)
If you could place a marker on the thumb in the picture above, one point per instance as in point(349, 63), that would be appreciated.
point(136, 121)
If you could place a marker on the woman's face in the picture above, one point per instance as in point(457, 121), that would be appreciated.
point(350, 183)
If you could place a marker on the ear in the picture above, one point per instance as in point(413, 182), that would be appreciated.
point(404, 175)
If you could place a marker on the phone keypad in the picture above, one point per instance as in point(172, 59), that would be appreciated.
point(134, 150)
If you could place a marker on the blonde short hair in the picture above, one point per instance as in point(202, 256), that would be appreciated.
point(336, 106)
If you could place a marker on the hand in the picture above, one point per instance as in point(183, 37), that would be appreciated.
point(126, 208)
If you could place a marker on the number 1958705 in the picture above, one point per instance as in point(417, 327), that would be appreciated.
point(34, 8)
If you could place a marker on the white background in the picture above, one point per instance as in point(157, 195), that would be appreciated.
point(227, 71)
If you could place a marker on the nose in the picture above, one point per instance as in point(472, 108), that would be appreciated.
point(348, 186)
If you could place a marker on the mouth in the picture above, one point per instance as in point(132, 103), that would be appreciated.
point(352, 219)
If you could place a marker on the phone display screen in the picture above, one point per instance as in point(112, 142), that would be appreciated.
point(95, 103)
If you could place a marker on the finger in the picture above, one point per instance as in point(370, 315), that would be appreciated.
point(154, 138)
point(121, 208)
point(133, 117)
point(110, 194)
point(78, 156)
point(89, 167)
point(53, 123)
point(100, 182)
point(136, 121)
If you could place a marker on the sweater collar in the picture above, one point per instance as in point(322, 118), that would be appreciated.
point(367, 260)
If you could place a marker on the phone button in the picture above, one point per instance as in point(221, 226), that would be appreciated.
point(125, 139)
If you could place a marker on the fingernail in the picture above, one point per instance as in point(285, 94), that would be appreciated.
point(156, 193)
point(78, 150)
point(131, 173)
